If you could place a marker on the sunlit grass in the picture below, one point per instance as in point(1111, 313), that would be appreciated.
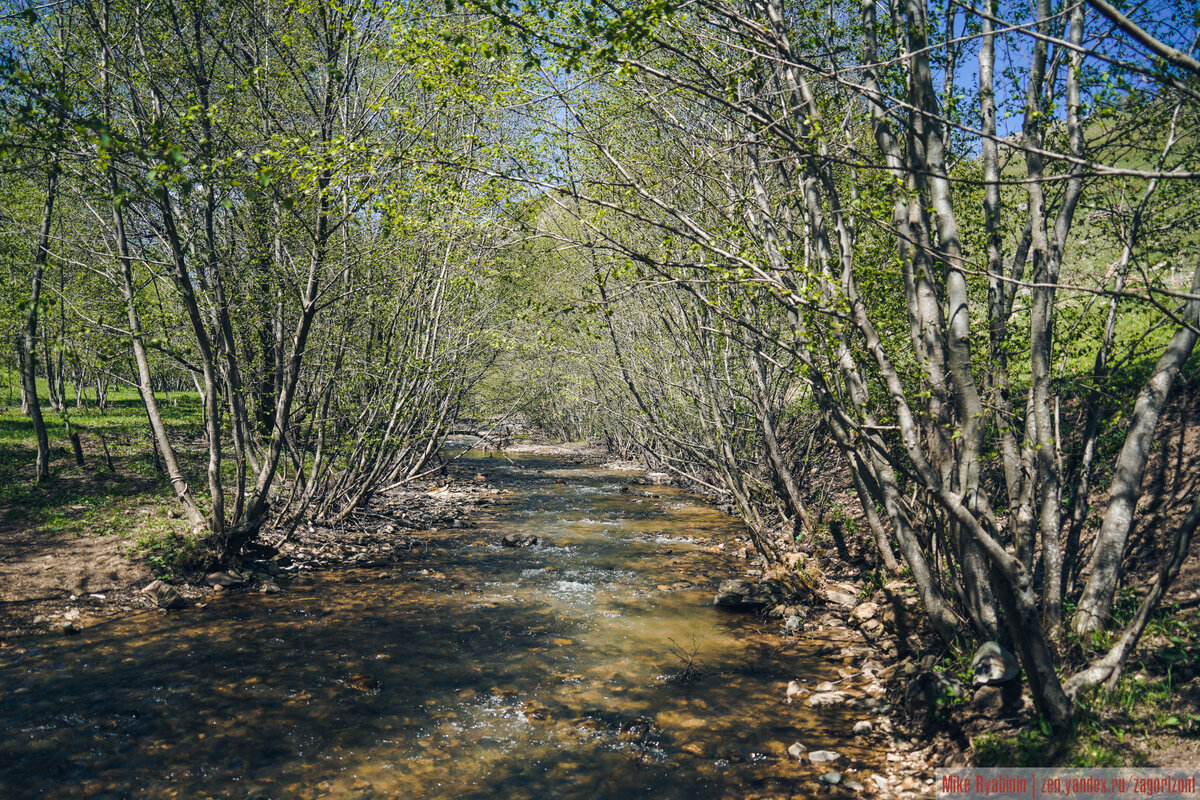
point(133, 501)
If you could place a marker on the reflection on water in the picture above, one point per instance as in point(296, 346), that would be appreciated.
point(466, 670)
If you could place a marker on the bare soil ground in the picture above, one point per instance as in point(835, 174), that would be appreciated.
point(64, 570)
point(50, 578)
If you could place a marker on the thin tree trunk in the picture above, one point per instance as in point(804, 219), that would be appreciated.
point(29, 374)
point(1109, 549)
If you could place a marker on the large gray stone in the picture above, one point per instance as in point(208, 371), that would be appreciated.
point(993, 664)
point(840, 598)
point(864, 612)
point(164, 595)
point(743, 595)
point(224, 579)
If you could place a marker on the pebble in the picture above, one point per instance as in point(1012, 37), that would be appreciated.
point(831, 778)
point(797, 750)
point(821, 756)
point(862, 727)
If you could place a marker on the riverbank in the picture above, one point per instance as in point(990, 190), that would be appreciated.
point(63, 581)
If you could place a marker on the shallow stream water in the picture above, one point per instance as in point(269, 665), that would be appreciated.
point(590, 666)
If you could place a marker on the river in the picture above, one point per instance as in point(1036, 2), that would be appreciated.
point(590, 666)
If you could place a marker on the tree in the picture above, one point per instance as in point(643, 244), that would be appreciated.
point(768, 175)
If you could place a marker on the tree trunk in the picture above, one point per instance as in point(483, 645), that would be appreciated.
point(29, 374)
point(1109, 549)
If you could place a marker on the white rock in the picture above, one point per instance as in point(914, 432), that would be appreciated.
point(864, 612)
point(826, 699)
point(840, 598)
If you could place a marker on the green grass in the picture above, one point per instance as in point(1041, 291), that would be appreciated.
point(1121, 727)
point(133, 501)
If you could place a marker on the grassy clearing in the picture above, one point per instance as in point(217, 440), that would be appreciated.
point(1154, 708)
point(134, 501)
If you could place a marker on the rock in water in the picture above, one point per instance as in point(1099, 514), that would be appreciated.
point(224, 579)
point(797, 750)
point(164, 595)
point(519, 540)
point(993, 664)
point(742, 595)
point(826, 699)
point(823, 756)
point(831, 778)
point(367, 684)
